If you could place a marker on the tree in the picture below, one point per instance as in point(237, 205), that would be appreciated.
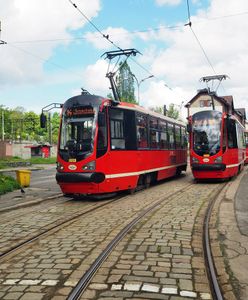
point(125, 83)
point(20, 125)
point(172, 112)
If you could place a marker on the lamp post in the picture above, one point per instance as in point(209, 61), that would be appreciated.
point(139, 83)
point(2, 123)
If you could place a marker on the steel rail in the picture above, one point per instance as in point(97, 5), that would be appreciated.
point(86, 278)
point(38, 236)
point(215, 288)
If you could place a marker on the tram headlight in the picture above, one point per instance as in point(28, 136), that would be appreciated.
point(218, 159)
point(89, 166)
point(59, 166)
point(195, 160)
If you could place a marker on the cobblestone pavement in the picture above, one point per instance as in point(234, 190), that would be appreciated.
point(162, 258)
point(19, 225)
point(53, 264)
point(232, 252)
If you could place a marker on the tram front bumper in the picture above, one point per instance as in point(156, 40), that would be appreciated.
point(95, 177)
point(208, 167)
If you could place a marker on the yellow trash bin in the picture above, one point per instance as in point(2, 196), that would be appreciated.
point(23, 177)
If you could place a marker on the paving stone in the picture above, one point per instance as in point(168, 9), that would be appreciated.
point(50, 282)
point(188, 294)
point(169, 290)
point(205, 296)
point(98, 286)
point(150, 288)
point(142, 279)
point(116, 287)
point(132, 286)
point(29, 282)
point(12, 296)
point(71, 283)
point(146, 296)
point(185, 285)
point(32, 296)
point(11, 281)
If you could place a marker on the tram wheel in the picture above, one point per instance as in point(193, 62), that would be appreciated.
point(148, 179)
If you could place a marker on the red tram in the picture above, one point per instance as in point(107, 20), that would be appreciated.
point(216, 135)
point(246, 143)
point(107, 146)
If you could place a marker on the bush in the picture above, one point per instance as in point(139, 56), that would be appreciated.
point(8, 184)
point(41, 160)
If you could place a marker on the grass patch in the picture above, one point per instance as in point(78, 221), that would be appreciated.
point(17, 161)
point(40, 160)
point(8, 184)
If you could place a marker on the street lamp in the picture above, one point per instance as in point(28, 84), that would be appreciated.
point(139, 83)
point(3, 133)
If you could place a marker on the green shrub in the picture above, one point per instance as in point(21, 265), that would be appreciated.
point(8, 184)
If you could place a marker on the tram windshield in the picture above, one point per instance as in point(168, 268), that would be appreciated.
point(246, 139)
point(77, 131)
point(206, 127)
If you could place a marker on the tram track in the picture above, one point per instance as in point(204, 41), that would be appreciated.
point(98, 249)
point(86, 278)
point(210, 266)
point(54, 228)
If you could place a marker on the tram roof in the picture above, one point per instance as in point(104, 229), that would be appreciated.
point(95, 100)
point(141, 109)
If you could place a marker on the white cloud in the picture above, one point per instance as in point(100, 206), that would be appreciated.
point(168, 2)
point(157, 94)
point(94, 78)
point(24, 20)
point(182, 62)
point(119, 36)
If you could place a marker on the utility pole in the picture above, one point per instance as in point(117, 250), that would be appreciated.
point(1, 41)
point(139, 83)
point(2, 124)
point(50, 128)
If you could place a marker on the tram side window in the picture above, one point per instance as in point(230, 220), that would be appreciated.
point(154, 133)
point(102, 141)
point(171, 137)
point(232, 134)
point(116, 129)
point(246, 139)
point(141, 128)
point(178, 136)
point(184, 141)
point(163, 134)
point(241, 143)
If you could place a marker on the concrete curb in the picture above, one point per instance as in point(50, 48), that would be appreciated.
point(226, 239)
point(30, 203)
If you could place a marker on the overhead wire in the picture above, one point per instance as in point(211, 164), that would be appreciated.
point(106, 36)
point(134, 31)
point(44, 60)
point(199, 43)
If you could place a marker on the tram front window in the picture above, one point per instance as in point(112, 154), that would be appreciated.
point(206, 132)
point(76, 136)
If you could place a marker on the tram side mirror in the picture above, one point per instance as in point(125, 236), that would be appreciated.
point(43, 120)
point(101, 119)
point(189, 128)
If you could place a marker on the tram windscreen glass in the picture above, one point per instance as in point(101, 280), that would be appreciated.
point(206, 127)
point(246, 139)
point(76, 135)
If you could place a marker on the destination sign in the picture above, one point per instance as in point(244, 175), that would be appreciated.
point(79, 111)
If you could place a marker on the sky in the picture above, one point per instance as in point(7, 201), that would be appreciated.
point(53, 49)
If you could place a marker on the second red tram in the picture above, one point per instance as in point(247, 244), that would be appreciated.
point(217, 146)
point(246, 143)
point(107, 146)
